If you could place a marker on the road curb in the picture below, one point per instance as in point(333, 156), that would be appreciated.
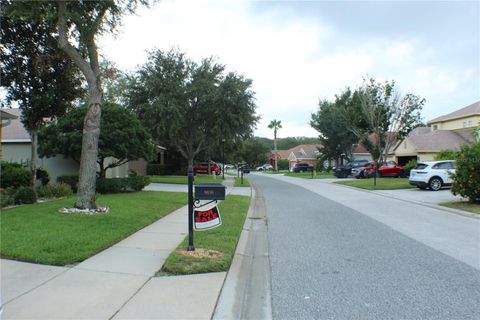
point(237, 290)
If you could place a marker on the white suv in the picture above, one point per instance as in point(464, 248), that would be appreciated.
point(433, 175)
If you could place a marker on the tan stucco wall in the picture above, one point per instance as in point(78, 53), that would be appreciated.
point(55, 166)
point(405, 148)
point(458, 123)
point(426, 156)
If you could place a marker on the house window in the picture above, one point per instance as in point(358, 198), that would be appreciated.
point(465, 124)
point(435, 127)
point(470, 123)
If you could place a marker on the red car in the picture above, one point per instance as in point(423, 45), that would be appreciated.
point(387, 169)
point(391, 169)
point(202, 168)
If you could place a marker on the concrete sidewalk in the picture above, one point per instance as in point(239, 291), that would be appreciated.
point(117, 283)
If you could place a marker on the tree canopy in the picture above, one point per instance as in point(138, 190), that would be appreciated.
point(334, 137)
point(37, 75)
point(123, 137)
point(77, 24)
point(383, 116)
point(192, 106)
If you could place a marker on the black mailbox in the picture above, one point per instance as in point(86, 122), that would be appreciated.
point(210, 191)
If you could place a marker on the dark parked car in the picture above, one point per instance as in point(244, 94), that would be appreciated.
point(302, 167)
point(346, 170)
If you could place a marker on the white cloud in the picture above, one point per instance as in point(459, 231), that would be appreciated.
point(292, 60)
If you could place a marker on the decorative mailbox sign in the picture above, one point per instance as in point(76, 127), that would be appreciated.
point(210, 191)
point(206, 214)
point(206, 218)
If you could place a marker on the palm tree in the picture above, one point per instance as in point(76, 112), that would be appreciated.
point(275, 125)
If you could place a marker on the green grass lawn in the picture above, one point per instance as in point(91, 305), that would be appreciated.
point(238, 180)
point(382, 183)
point(222, 239)
point(39, 233)
point(184, 179)
point(463, 205)
point(308, 175)
point(275, 172)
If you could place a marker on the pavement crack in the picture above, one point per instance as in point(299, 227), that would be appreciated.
point(131, 297)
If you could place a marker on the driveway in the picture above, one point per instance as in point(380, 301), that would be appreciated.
point(422, 196)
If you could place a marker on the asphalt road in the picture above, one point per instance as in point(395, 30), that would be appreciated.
point(329, 261)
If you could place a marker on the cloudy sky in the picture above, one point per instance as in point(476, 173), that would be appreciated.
point(297, 52)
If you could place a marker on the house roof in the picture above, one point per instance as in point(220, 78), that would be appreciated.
point(15, 132)
point(473, 109)
point(6, 116)
point(360, 148)
point(305, 151)
point(425, 139)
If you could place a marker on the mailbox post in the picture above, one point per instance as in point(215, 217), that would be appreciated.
point(204, 191)
point(190, 209)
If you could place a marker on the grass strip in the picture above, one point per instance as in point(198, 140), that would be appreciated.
point(184, 179)
point(39, 233)
point(308, 175)
point(238, 183)
point(382, 184)
point(221, 240)
point(463, 205)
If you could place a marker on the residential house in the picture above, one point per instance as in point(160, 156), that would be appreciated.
point(450, 131)
point(16, 147)
point(305, 153)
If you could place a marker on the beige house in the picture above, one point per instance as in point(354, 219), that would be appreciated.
point(16, 147)
point(448, 132)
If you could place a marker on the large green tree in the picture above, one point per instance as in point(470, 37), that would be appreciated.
point(253, 151)
point(335, 138)
point(383, 116)
point(37, 76)
point(78, 23)
point(192, 106)
point(123, 137)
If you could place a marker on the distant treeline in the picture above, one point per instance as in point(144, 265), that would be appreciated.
point(289, 142)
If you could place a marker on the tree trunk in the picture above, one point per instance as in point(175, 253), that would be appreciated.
point(33, 159)
point(275, 148)
point(88, 160)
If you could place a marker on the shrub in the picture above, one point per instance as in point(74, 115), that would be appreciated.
point(72, 181)
point(155, 169)
point(14, 175)
point(137, 183)
point(43, 176)
point(25, 195)
point(466, 180)
point(7, 197)
point(282, 164)
point(116, 185)
point(446, 155)
point(409, 166)
point(110, 185)
point(54, 190)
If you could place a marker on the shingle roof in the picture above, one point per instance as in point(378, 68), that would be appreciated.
point(426, 140)
point(15, 131)
point(305, 151)
point(473, 109)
